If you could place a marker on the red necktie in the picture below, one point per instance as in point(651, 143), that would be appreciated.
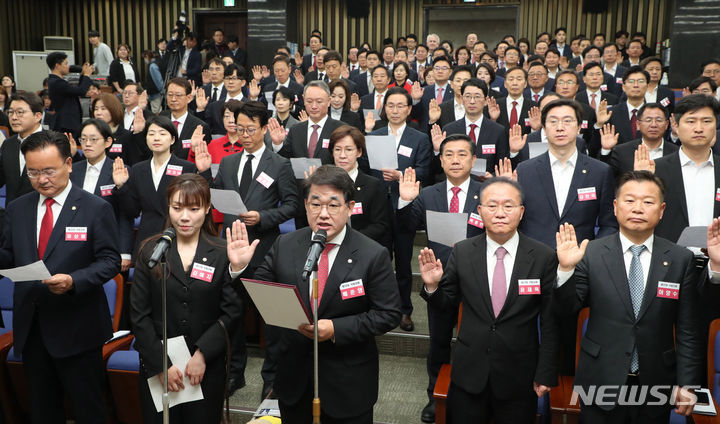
point(472, 133)
point(313, 141)
point(536, 98)
point(593, 104)
point(323, 267)
point(176, 123)
point(455, 201)
point(46, 227)
point(439, 95)
point(313, 65)
point(513, 115)
point(378, 103)
point(633, 123)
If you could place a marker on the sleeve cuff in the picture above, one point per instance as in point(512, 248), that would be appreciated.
point(276, 147)
point(234, 274)
point(714, 275)
point(402, 203)
point(563, 277)
point(427, 291)
point(605, 152)
point(125, 256)
point(513, 155)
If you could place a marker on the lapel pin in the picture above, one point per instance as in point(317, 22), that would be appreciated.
point(204, 259)
point(349, 261)
point(475, 197)
point(74, 207)
point(358, 188)
point(584, 171)
point(665, 263)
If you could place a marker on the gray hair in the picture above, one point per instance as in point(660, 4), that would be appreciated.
point(319, 84)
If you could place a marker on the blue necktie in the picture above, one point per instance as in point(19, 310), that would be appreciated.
point(637, 289)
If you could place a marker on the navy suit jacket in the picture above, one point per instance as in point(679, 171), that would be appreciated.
point(296, 142)
point(66, 104)
point(536, 137)
point(504, 119)
point(420, 110)
point(622, 157)
point(78, 320)
point(542, 220)
point(621, 121)
point(191, 122)
point(208, 88)
point(491, 133)
point(419, 159)
point(360, 79)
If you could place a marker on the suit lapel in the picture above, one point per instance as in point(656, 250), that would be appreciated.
point(341, 267)
point(303, 244)
point(545, 178)
point(616, 268)
point(66, 214)
point(521, 268)
point(440, 198)
point(675, 169)
point(480, 269)
point(578, 181)
point(263, 165)
point(473, 197)
point(301, 144)
point(716, 160)
point(659, 264)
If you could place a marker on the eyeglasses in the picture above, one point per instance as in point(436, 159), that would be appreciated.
point(554, 122)
point(536, 74)
point(175, 95)
point(347, 150)
point(651, 120)
point(569, 83)
point(332, 208)
point(90, 140)
point(399, 106)
point(249, 131)
point(18, 112)
point(47, 173)
point(441, 68)
point(476, 98)
point(711, 72)
point(233, 78)
point(634, 81)
point(129, 93)
point(494, 208)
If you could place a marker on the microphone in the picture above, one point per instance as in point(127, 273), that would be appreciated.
point(316, 248)
point(162, 246)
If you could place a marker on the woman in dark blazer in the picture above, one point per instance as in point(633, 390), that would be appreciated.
point(340, 104)
point(202, 306)
point(106, 107)
point(122, 69)
point(141, 190)
point(371, 214)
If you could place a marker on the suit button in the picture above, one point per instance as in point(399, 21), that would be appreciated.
point(184, 304)
point(493, 328)
point(185, 289)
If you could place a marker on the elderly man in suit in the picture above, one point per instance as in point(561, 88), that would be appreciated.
point(61, 323)
point(643, 326)
point(64, 96)
point(505, 281)
point(348, 320)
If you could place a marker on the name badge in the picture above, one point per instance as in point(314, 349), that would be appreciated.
point(326, 143)
point(526, 287)
point(202, 272)
point(717, 195)
point(584, 125)
point(585, 194)
point(488, 149)
point(265, 180)
point(527, 122)
point(173, 170)
point(106, 190)
point(186, 144)
point(116, 148)
point(75, 233)
point(665, 101)
point(618, 81)
point(352, 289)
point(476, 221)
point(357, 209)
point(405, 151)
point(668, 290)
point(603, 87)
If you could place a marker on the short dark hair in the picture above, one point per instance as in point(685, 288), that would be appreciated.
point(709, 62)
point(621, 33)
point(503, 180)
point(488, 68)
point(510, 36)
point(650, 59)
point(286, 92)
point(181, 82)
point(427, 49)
point(254, 109)
point(333, 176)
point(559, 103)
point(640, 176)
point(387, 72)
point(164, 123)
point(590, 65)
point(475, 82)
point(137, 84)
point(375, 52)
point(599, 34)
point(55, 58)
point(346, 87)
point(462, 68)
point(347, 131)
point(191, 36)
point(588, 49)
point(391, 91)
point(537, 65)
point(553, 50)
point(535, 59)
point(413, 36)
point(646, 106)
point(567, 72)
point(459, 137)
point(217, 61)
point(233, 68)
point(634, 41)
point(233, 39)
point(694, 102)
point(635, 69)
point(44, 139)
point(697, 82)
point(315, 36)
point(102, 127)
point(558, 29)
point(283, 59)
point(332, 55)
point(33, 100)
point(442, 58)
point(233, 106)
point(607, 46)
point(517, 69)
point(93, 33)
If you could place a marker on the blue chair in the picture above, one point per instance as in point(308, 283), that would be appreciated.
point(123, 368)
point(7, 397)
point(287, 226)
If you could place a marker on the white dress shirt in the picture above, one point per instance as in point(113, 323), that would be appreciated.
point(444, 89)
point(508, 261)
point(611, 71)
point(699, 183)
point(651, 95)
point(255, 162)
point(158, 174)
point(239, 97)
point(656, 153)
point(353, 173)
point(479, 122)
point(539, 94)
point(459, 109)
point(56, 208)
point(397, 135)
point(181, 121)
point(519, 106)
point(562, 177)
point(630, 109)
point(462, 194)
point(219, 90)
point(127, 68)
point(92, 173)
point(319, 130)
point(129, 117)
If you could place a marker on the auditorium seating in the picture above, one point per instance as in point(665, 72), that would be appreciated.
point(122, 370)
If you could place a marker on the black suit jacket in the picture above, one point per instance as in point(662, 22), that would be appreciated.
point(665, 332)
point(447, 113)
point(117, 73)
point(622, 156)
point(420, 111)
point(349, 366)
point(296, 88)
point(239, 56)
point(582, 97)
point(208, 88)
point(361, 82)
point(16, 183)
point(491, 133)
point(296, 142)
point(675, 217)
point(78, 320)
point(620, 118)
point(504, 119)
point(371, 215)
point(191, 122)
point(124, 223)
point(514, 358)
point(194, 306)
point(64, 97)
point(542, 219)
point(276, 203)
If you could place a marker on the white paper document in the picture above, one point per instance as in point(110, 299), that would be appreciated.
point(479, 168)
point(118, 334)
point(375, 113)
point(382, 152)
point(227, 201)
point(179, 355)
point(446, 228)
point(279, 304)
point(537, 149)
point(35, 271)
point(301, 165)
point(268, 408)
point(705, 404)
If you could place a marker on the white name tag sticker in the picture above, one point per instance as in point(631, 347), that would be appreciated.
point(529, 287)
point(585, 194)
point(665, 101)
point(527, 122)
point(106, 190)
point(476, 221)
point(488, 149)
point(603, 87)
point(668, 290)
point(116, 148)
point(326, 143)
point(357, 209)
point(265, 180)
point(173, 170)
point(717, 195)
point(186, 144)
point(75, 233)
point(352, 289)
point(584, 125)
point(618, 81)
point(202, 272)
point(405, 151)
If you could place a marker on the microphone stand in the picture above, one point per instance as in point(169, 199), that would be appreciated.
point(165, 395)
point(316, 398)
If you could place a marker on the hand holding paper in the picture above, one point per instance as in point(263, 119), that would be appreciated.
point(35, 271)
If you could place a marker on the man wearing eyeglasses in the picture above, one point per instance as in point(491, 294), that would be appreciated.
point(505, 281)
point(624, 115)
point(711, 68)
point(567, 85)
point(179, 94)
point(357, 300)
point(62, 322)
point(441, 91)
point(211, 112)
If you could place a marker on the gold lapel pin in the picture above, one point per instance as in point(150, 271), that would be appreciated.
point(74, 207)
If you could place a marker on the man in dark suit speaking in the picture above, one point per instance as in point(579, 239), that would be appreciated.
point(61, 323)
point(642, 294)
point(347, 322)
point(505, 281)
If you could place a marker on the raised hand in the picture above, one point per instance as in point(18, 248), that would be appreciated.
point(87, 69)
point(201, 100)
point(579, 67)
point(493, 108)
point(517, 139)
point(138, 121)
point(203, 160)
point(277, 132)
point(608, 136)
point(143, 100)
point(239, 249)
point(421, 73)
point(265, 71)
point(674, 126)
point(642, 160)
point(431, 269)
point(534, 116)
point(193, 88)
point(310, 171)
point(298, 59)
point(437, 136)
point(602, 114)
point(299, 77)
point(254, 88)
point(416, 92)
point(355, 102)
point(205, 76)
point(303, 116)
point(568, 252)
point(408, 187)
point(504, 169)
point(344, 71)
point(713, 244)
point(686, 91)
point(197, 138)
point(434, 110)
point(120, 173)
point(564, 62)
point(257, 72)
point(73, 143)
point(369, 121)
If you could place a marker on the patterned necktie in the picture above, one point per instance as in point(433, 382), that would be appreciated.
point(499, 282)
point(472, 135)
point(46, 226)
point(513, 115)
point(633, 123)
point(439, 97)
point(323, 268)
point(313, 141)
point(593, 104)
point(455, 200)
point(636, 281)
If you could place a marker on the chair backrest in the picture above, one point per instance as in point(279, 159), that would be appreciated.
point(713, 359)
point(7, 288)
point(581, 327)
point(114, 291)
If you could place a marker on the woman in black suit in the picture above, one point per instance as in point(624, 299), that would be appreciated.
point(340, 104)
point(122, 69)
point(141, 189)
point(106, 107)
point(202, 306)
point(371, 214)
